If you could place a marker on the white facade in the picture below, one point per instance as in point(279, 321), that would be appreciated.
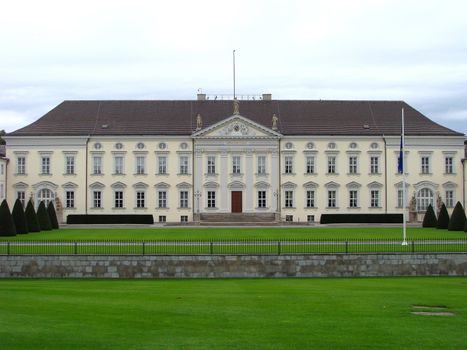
point(235, 165)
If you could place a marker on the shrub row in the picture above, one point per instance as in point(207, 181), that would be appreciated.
point(360, 218)
point(457, 222)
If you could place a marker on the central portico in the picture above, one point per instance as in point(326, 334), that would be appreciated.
point(236, 167)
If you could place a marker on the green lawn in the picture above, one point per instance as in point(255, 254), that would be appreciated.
point(364, 313)
point(203, 233)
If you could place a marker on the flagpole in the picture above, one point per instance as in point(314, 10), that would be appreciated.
point(233, 54)
point(404, 190)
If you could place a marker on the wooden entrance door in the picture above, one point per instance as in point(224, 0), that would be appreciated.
point(236, 201)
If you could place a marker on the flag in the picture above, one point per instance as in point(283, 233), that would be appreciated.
point(400, 160)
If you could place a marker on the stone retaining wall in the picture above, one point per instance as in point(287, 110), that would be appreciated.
point(226, 266)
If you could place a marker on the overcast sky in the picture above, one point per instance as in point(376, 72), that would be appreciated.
point(414, 51)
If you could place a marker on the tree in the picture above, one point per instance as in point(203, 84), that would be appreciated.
point(52, 216)
point(20, 218)
point(429, 219)
point(443, 218)
point(31, 218)
point(7, 225)
point(43, 216)
point(457, 221)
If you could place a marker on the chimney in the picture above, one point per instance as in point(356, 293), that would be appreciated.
point(201, 97)
point(267, 97)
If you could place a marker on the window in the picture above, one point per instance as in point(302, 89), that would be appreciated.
point(310, 198)
point(352, 165)
point(184, 218)
point(332, 199)
point(69, 165)
point(70, 199)
point(310, 165)
point(353, 199)
point(449, 198)
point(211, 199)
point(261, 165)
point(97, 197)
point(140, 165)
point(140, 199)
point(118, 199)
point(162, 161)
point(211, 165)
point(162, 218)
point(97, 165)
point(289, 199)
point(2, 190)
point(118, 163)
point(45, 165)
point(184, 165)
point(2, 169)
point(21, 196)
point(374, 165)
point(425, 165)
point(331, 165)
point(162, 199)
point(400, 198)
point(21, 165)
point(183, 199)
point(288, 218)
point(424, 198)
point(448, 165)
point(288, 163)
point(261, 199)
point(236, 164)
point(374, 198)
point(45, 195)
point(310, 218)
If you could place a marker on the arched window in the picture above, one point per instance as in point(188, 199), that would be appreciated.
point(424, 198)
point(45, 195)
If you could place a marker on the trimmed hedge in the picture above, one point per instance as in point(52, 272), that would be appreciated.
point(361, 218)
point(52, 216)
point(443, 218)
point(20, 218)
point(31, 218)
point(7, 225)
point(110, 219)
point(457, 221)
point(429, 220)
point(43, 216)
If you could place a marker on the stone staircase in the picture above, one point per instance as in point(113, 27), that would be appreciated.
point(219, 219)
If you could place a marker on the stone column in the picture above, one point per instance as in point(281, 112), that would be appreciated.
point(275, 186)
point(197, 185)
point(249, 190)
point(224, 176)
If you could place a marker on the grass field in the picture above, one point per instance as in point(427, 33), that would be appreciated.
point(365, 313)
point(203, 233)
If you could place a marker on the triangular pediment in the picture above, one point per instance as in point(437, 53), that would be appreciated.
point(236, 126)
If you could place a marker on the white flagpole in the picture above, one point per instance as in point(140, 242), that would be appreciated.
point(404, 190)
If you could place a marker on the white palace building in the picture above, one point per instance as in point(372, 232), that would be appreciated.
point(262, 159)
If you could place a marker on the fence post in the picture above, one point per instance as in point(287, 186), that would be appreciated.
point(413, 246)
point(143, 247)
point(346, 247)
point(278, 247)
point(8, 248)
point(211, 248)
point(76, 248)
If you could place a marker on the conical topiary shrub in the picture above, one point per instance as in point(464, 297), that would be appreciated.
point(19, 218)
point(31, 218)
point(52, 216)
point(457, 221)
point(465, 226)
point(43, 216)
point(443, 218)
point(7, 225)
point(429, 219)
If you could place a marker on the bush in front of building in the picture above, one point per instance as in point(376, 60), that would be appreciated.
point(52, 216)
point(7, 225)
point(429, 220)
point(361, 218)
point(20, 218)
point(43, 216)
point(443, 218)
point(31, 218)
point(457, 221)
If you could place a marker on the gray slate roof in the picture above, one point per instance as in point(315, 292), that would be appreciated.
point(296, 117)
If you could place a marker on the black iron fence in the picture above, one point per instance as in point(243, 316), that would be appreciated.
point(225, 247)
